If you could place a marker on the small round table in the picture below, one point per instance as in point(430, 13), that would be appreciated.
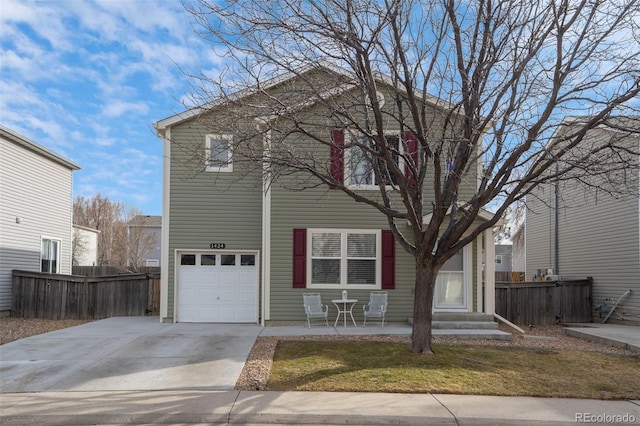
point(345, 306)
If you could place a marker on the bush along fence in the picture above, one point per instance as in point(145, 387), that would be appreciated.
point(545, 302)
point(52, 296)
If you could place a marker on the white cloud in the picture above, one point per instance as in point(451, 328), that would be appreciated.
point(120, 108)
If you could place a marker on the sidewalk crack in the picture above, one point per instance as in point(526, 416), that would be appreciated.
point(446, 408)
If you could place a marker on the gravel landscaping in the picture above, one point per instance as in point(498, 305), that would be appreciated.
point(12, 328)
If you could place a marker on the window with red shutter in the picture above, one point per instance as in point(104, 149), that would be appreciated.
point(299, 258)
point(343, 259)
point(388, 260)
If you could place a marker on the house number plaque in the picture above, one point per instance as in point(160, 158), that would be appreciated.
point(217, 246)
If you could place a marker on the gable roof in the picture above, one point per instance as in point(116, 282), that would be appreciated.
point(26, 143)
point(173, 120)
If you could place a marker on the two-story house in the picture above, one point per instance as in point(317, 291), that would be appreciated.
point(590, 225)
point(144, 233)
point(36, 208)
point(240, 248)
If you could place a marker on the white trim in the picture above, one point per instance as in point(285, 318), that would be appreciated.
point(166, 200)
point(343, 259)
point(176, 262)
point(58, 253)
point(266, 234)
point(478, 282)
point(489, 272)
point(221, 138)
point(467, 262)
point(467, 281)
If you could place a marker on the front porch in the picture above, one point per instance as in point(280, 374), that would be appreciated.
point(465, 325)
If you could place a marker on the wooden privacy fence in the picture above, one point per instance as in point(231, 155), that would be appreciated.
point(51, 296)
point(101, 271)
point(545, 302)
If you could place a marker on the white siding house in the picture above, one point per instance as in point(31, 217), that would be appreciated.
point(85, 246)
point(36, 208)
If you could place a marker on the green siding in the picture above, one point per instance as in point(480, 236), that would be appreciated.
point(208, 207)
point(319, 208)
point(226, 207)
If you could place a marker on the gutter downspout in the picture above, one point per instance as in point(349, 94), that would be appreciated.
point(265, 300)
point(556, 226)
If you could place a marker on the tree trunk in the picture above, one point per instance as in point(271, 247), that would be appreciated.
point(423, 308)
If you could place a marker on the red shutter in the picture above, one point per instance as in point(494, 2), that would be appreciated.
point(337, 156)
point(299, 258)
point(412, 149)
point(388, 260)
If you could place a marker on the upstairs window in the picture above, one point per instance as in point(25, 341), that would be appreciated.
point(50, 256)
point(360, 169)
point(218, 153)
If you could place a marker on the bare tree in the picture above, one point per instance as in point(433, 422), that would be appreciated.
point(482, 86)
point(110, 218)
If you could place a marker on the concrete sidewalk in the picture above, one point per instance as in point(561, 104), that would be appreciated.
point(618, 335)
point(326, 408)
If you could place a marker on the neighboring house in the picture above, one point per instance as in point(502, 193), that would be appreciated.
point(236, 249)
point(36, 204)
point(85, 246)
point(503, 257)
point(144, 240)
point(575, 231)
point(518, 251)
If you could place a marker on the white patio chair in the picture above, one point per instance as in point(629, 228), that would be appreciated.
point(314, 308)
point(376, 308)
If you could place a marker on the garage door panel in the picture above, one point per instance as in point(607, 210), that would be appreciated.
point(218, 288)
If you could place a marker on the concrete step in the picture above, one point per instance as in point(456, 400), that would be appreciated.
point(462, 316)
point(465, 325)
point(472, 334)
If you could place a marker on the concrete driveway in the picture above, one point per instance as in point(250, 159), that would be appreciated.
point(128, 354)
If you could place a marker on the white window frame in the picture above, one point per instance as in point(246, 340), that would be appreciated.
point(498, 259)
point(467, 292)
point(343, 258)
point(58, 252)
point(221, 138)
point(347, 166)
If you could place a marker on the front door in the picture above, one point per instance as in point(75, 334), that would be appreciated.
point(451, 285)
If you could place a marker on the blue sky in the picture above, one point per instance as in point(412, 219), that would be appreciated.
point(87, 79)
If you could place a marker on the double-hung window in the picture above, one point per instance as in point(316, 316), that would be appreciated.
point(50, 256)
point(218, 153)
point(360, 163)
point(344, 258)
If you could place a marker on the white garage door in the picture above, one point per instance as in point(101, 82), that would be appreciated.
point(217, 287)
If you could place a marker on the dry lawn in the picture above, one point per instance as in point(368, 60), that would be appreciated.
point(475, 370)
